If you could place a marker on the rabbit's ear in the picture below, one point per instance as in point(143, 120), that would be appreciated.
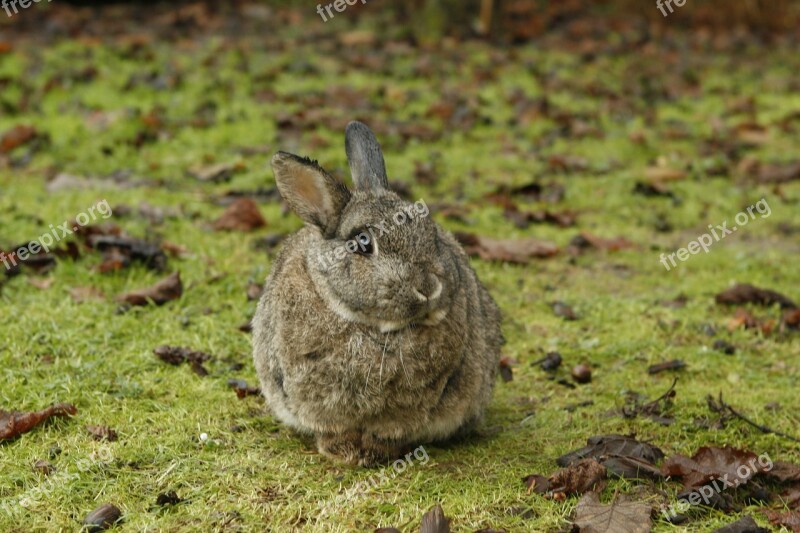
point(365, 157)
point(316, 196)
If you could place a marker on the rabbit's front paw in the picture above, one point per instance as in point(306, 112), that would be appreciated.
point(355, 448)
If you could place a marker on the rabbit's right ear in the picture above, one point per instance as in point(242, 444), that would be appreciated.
point(366, 158)
point(316, 196)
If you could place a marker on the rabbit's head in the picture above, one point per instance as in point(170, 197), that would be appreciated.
point(376, 259)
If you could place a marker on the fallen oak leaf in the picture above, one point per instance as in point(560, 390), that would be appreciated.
point(168, 289)
point(710, 463)
point(591, 516)
point(15, 423)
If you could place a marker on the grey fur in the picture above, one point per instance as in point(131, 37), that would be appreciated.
point(372, 354)
point(366, 158)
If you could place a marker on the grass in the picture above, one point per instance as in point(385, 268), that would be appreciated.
point(252, 474)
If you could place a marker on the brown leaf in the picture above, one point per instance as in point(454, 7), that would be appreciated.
point(778, 172)
point(791, 497)
point(631, 468)
point(177, 355)
point(169, 288)
point(242, 389)
point(13, 424)
point(580, 477)
point(102, 518)
point(675, 364)
point(784, 472)
point(119, 251)
point(743, 293)
point(587, 240)
point(789, 519)
point(16, 136)
point(743, 525)
point(602, 446)
point(434, 521)
point(537, 483)
point(519, 251)
point(215, 173)
point(591, 516)
point(506, 372)
point(791, 318)
point(241, 215)
point(742, 317)
point(710, 463)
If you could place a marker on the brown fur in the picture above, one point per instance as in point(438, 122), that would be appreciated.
point(350, 350)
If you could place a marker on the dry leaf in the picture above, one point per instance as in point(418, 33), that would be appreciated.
point(591, 516)
point(241, 215)
point(169, 288)
point(519, 251)
point(14, 424)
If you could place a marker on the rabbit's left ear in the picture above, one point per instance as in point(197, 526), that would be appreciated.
point(366, 158)
point(316, 196)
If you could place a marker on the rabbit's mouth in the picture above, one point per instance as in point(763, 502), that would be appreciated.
point(431, 319)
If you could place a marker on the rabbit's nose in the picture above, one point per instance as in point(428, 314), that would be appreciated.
point(433, 290)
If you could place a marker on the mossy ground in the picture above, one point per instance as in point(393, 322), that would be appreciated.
point(262, 476)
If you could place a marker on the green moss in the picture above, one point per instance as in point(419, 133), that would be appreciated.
point(253, 473)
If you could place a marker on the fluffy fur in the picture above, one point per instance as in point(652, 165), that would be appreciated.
point(371, 352)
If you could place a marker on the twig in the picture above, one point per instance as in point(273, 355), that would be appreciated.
point(650, 408)
point(763, 429)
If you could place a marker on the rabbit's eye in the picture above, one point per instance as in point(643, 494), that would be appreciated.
point(364, 241)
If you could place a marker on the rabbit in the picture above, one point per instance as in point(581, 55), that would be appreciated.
point(371, 335)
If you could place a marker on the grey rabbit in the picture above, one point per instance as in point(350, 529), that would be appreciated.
point(372, 334)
